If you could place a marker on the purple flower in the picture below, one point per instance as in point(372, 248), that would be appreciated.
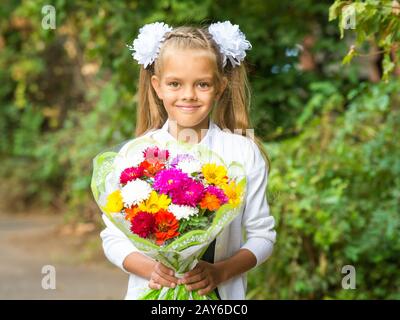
point(181, 157)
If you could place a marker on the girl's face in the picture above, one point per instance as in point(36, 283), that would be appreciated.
point(187, 87)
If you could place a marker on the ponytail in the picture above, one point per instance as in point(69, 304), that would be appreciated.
point(150, 112)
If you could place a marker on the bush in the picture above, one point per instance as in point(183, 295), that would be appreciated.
point(334, 191)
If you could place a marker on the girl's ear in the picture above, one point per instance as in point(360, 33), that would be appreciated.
point(222, 88)
point(155, 82)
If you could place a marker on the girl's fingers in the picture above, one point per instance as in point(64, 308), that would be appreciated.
point(153, 285)
point(164, 269)
point(193, 279)
point(157, 278)
point(205, 291)
point(166, 273)
point(195, 271)
point(198, 285)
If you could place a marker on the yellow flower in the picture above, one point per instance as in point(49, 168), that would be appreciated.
point(233, 192)
point(214, 174)
point(155, 202)
point(114, 202)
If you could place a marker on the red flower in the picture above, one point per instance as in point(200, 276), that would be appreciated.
point(166, 226)
point(130, 174)
point(143, 224)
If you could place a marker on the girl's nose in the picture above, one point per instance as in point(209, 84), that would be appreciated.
point(189, 93)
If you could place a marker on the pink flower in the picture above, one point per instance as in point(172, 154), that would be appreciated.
point(154, 154)
point(169, 179)
point(190, 193)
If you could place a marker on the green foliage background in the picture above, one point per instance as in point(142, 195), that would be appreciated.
point(333, 136)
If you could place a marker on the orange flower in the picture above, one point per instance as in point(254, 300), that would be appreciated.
point(150, 169)
point(166, 226)
point(210, 202)
point(130, 213)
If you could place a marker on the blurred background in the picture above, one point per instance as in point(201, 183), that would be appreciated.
point(68, 91)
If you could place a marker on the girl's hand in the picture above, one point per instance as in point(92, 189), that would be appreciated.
point(162, 276)
point(205, 276)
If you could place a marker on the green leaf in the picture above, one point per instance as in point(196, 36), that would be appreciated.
point(334, 9)
point(349, 56)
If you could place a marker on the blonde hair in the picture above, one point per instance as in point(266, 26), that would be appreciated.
point(233, 105)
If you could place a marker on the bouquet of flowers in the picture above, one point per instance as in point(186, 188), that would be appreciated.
point(170, 200)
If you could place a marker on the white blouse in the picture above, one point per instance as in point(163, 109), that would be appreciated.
point(252, 229)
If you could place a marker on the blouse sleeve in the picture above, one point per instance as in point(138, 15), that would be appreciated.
point(256, 219)
point(116, 245)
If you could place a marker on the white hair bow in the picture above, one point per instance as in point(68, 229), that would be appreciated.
point(231, 41)
point(148, 43)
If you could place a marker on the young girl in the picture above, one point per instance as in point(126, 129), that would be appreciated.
point(193, 87)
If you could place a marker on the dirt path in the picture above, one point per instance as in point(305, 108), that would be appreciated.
point(27, 243)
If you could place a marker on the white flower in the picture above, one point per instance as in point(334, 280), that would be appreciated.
point(147, 45)
point(135, 191)
point(231, 41)
point(182, 212)
point(189, 166)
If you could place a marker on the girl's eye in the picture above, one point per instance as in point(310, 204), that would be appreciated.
point(204, 85)
point(173, 84)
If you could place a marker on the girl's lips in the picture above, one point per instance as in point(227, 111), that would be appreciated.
point(188, 108)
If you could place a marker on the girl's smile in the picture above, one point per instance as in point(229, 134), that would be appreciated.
point(188, 108)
